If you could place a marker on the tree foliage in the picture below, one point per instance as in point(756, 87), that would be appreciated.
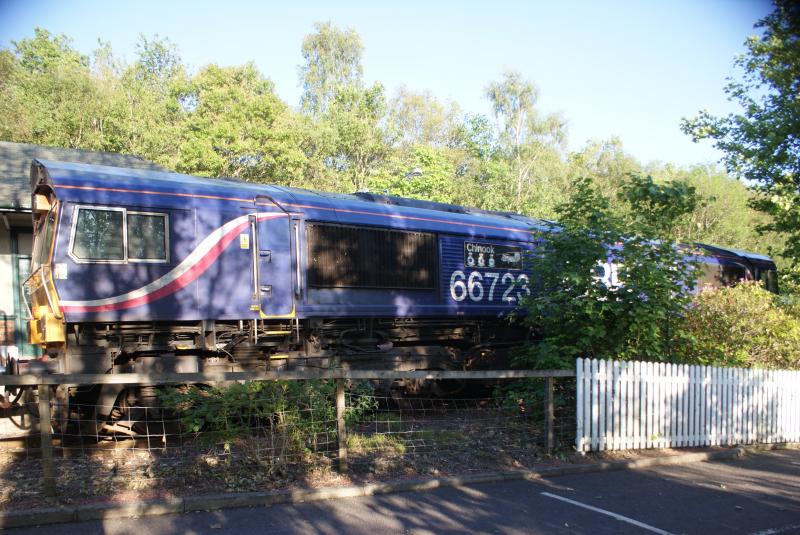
point(529, 140)
point(48, 94)
point(420, 119)
point(359, 146)
point(237, 126)
point(761, 142)
point(332, 62)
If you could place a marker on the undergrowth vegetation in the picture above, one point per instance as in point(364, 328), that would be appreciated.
point(302, 413)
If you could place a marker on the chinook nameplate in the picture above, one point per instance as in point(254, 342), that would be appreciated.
point(491, 255)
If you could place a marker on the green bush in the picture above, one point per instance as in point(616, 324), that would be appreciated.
point(744, 326)
point(634, 314)
point(299, 410)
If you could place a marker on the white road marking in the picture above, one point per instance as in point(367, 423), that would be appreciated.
point(609, 513)
point(774, 531)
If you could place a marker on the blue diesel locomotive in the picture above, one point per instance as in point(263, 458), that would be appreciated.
point(137, 271)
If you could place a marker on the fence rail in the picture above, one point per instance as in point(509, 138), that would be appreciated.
point(633, 405)
point(211, 377)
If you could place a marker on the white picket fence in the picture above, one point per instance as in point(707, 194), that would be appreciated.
point(634, 405)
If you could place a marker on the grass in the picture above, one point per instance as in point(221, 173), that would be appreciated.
point(377, 442)
point(381, 442)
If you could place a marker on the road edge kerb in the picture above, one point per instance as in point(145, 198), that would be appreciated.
point(102, 511)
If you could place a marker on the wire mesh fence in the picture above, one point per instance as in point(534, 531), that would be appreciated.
point(266, 435)
point(457, 434)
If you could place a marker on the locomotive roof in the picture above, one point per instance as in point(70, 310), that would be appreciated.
point(737, 253)
point(72, 180)
point(68, 178)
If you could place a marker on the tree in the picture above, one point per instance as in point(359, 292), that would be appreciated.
point(476, 136)
point(237, 126)
point(762, 141)
point(145, 116)
point(607, 163)
point(449, 149)
point(332, 62)
point(724, 217)
point(433, 179)
point(531, 142)
point(158, 61)
point(48, 95)
point(46, 53)
point(358, 146)
point(420, 119)
point(52, 95)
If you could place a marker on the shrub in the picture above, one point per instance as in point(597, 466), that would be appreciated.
point(744, 326)
point(583, 311)
point(299, 410)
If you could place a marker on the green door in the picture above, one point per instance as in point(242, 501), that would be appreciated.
point(21, 265)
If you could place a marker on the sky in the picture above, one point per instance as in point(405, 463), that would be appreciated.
point(625, 68)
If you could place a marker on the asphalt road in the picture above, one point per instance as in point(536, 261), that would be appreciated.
point(759, 494)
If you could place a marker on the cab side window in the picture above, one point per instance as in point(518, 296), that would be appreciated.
point(147, 237)
point(99, 235)
point(732, 273)
point(116, 235)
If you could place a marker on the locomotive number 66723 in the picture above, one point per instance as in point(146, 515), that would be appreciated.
point(488, 286)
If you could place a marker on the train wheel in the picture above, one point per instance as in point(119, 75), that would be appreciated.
point(136, 415)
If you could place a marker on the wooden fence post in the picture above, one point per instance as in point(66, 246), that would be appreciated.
point(46, 441)
point(341, 429)
point(549, 415)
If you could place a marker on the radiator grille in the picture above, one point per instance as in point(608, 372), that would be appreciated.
point(358, 257)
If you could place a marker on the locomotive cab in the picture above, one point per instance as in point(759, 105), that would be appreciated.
point(723, 267)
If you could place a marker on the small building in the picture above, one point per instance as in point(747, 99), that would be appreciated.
point(16, 230)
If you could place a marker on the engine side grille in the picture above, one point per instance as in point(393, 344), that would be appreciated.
point(359, 257)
